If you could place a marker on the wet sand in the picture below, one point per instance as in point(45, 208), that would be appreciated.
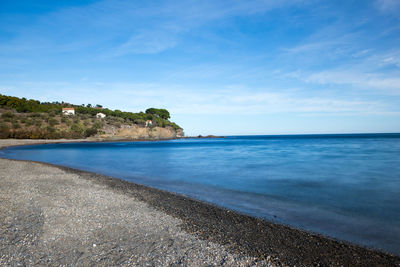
point(52, 215)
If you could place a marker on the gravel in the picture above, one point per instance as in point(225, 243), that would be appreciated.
point(53, 215)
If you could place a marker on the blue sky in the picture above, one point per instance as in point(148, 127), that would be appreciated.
point(220, 67)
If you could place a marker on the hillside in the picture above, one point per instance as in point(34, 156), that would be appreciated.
point(31, 119)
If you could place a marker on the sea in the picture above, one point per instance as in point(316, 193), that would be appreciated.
point(345, 186)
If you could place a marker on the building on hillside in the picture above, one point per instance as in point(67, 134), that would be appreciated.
point(100, 115)
point(68, 111)
point(149, 123)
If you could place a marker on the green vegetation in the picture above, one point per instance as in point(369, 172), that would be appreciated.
point(23, 118)
point(160, 113)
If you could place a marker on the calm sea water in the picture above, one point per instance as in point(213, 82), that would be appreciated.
point(344, 186)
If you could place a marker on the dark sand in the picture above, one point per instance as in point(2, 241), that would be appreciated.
point(53, 215)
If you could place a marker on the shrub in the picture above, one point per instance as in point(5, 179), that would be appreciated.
point(77, 131)
point(53, 122)
point(54, 112)
point(9, 115)
point(90, 131)
point(50, 129)
point(16, 125)
point(140, 122)
point(4, 130)
point(38, 122)
point(98, 124)
point(85, 116)
point(34, 115)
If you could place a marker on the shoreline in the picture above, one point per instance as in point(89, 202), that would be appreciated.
point(241, 234)
point(27, 142)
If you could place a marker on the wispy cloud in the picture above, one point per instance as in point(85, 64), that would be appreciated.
point(376, 81)
point(389, 6)
point(152, 26)
point(231, 100)
point(146, 43)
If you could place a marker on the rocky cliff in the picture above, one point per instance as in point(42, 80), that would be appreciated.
point(137, 132)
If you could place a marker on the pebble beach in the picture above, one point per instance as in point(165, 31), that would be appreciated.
point(51, 215)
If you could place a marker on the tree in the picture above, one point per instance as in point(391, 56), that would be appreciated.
point(162, 113)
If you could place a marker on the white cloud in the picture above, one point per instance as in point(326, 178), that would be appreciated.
point(197, 101)
point(387, 84)
point(389, 6)
point(146, 43)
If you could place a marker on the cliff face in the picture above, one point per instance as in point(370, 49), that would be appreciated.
point(137, 132)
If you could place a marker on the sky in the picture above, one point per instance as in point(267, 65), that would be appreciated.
point(220, 67)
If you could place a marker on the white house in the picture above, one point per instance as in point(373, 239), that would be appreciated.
point(100, 115)
point(68, 111)
point(149, 123)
